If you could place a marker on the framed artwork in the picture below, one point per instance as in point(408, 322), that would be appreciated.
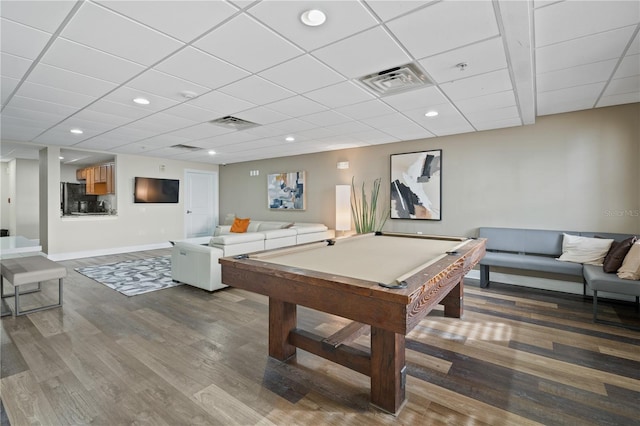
point(416, 185)
point(285, 191)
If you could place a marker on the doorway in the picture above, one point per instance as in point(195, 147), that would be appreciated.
point(201, 203)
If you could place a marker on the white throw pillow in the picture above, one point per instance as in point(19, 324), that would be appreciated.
point(584, 249)
point(630, 269)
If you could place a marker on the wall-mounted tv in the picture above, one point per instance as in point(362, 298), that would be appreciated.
point(154, 190)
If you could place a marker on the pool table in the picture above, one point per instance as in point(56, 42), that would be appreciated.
point(384, 282)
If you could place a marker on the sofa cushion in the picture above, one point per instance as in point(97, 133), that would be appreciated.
point(267, 226)
point(309, 228)
point(584, 249)
point(230, 239)
point(531, 262)
point(597, 279)
point(630, 269)
point(240, 225)
point(278, 233)
point(617, 253)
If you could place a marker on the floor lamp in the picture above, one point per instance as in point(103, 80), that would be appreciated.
point(343, 208)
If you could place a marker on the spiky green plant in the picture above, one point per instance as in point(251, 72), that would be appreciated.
point(365, 213)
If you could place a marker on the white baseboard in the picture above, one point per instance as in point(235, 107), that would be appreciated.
point(105, 252)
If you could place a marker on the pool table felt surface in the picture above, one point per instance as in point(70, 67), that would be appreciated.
point(378, 258)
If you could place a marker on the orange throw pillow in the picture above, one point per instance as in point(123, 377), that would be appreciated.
point(240, 225)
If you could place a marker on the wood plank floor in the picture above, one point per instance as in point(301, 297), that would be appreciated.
point(183, 356)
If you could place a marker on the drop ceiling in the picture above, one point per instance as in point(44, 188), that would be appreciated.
point(489, 65)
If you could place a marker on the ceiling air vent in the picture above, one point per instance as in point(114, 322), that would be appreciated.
point(235, 123)
point(395, 80)
point(189, 148)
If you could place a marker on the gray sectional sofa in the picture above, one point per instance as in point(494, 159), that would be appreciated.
point(537, 250)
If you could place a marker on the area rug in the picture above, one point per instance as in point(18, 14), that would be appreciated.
point(133, 277)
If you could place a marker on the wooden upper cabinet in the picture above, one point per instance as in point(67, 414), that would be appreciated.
point(81, 174)
point(111, 189)
point(99, 179)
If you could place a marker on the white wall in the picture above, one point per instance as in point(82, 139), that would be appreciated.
point(574, 171)
point(24, 210)
point(135, 225)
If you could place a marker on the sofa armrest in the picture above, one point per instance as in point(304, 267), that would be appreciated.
point(197, 265)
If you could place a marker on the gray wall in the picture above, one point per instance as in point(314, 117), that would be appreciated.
point(574, 171)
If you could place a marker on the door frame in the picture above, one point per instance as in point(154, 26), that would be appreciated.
point(216, 201)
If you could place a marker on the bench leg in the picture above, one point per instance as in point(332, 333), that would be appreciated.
point(7, 312)
point(484, 276)
point(18, 312)
point(595, 305)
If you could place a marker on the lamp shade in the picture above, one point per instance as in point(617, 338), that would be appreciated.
point(343, 207)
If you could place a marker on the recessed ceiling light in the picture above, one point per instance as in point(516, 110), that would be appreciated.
point(289, 139)
point(141, 101)
point(61, 158)
point(431, 114)
point(76, 131)
point(313, 17)
point(212, 152)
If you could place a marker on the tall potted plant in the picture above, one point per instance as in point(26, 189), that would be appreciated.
point(366, 215)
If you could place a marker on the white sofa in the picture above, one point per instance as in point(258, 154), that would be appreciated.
point(197, 264)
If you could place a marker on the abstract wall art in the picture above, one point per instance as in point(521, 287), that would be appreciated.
point(416, 185)
point(285, 191)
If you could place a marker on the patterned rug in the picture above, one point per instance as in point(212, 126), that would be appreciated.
point(133, 277)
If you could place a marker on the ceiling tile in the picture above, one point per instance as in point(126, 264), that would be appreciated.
point(368, 109)
point(165, 85)
point(44, 15)
point(248, 44)
point(444, 26)
point(67, 80)
point(626, 98)
point(629, 66)
point(131, 111)
point(595, 48)
point(220, 103)
point(480, 85)
point(184, 20)
point(262, 116)
point(84, 60)
point(104, 30)
point(201, 131)
point(192, 112)
point(344, 18)
point(296, 106)
point(389, 9)
point(162, 122)
point(302, 74)
point(499, 124)
point(20, 40)
point(201, 68)
point(340, 94)
point(375, 137)
point(569, 20)
point(256, 90)
point(493, 115)
point(107, 121)
point(634, 48)
point(8, 86)
point(51, 94)
point(125, 95)
point(293, 125)
point(448, 121)
point(60, 137)
point(17, 129)
point(368, 52)
point(13, 66)
point(491, 101)
point(421, 98)
point(479, 58)
point(42, 106)
point(621, 86)
point(570, 99)
point(103, 142)
point(326, 118)
point(576, 76)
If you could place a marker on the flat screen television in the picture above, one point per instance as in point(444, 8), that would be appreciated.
point(154, 190)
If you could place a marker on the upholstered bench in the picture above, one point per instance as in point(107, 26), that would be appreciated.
point(27, 270)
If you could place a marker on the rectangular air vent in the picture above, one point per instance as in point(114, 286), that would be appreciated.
point(235, 123)
point(189, 148)
point(396, 80)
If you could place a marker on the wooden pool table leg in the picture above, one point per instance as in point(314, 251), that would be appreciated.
point(282, 319)
point(387, 369)
point(454, 301)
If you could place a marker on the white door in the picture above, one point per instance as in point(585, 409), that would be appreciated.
point(201, 203)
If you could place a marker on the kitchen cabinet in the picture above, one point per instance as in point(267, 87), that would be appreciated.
point(99, 179)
